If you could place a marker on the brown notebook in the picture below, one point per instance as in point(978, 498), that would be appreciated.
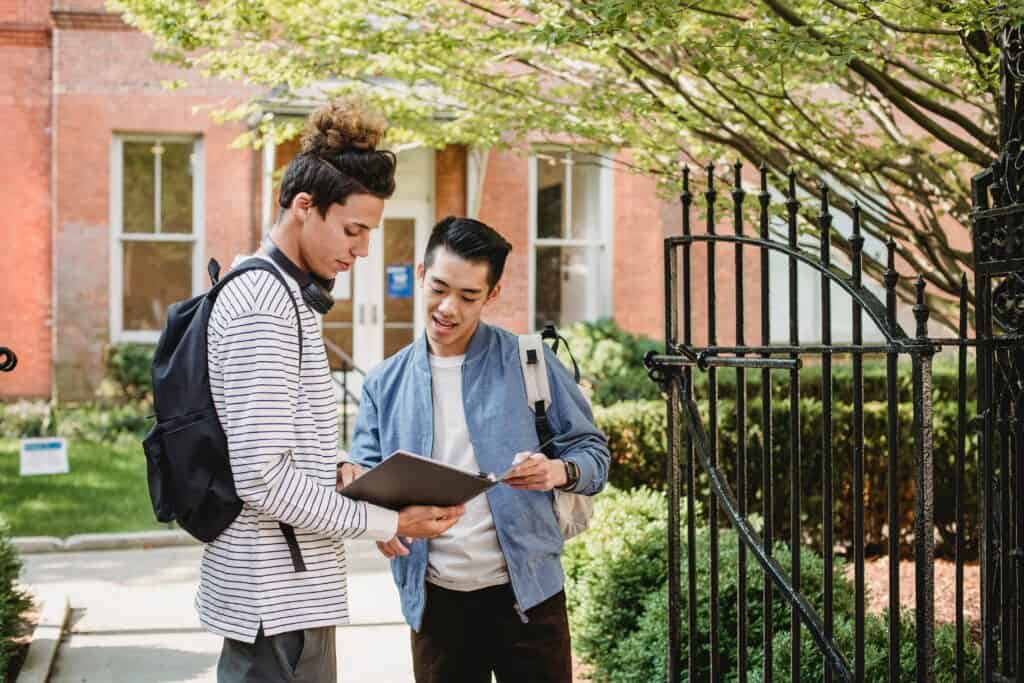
point(407, 479)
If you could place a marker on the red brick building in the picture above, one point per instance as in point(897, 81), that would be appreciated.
point(120, 190)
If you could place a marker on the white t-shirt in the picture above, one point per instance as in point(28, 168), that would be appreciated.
point(466, 557)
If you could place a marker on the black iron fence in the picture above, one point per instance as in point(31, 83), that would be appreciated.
point(994, 340)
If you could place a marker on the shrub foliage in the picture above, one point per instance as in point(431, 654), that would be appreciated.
point(637, 432)
point(13, 602)
point(618, 600)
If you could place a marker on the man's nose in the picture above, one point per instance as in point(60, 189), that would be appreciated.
point(361, 248)
point(447, 304)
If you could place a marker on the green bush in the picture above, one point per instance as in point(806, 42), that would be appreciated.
point(616, 581)
point(13, 602)
point(123, 423)
point(612, 360)
point(25, 419)
point(612, 567)
point(876, 652)
point(126, 421)
point(636, 433)
point(128, 370)
point(637, 437)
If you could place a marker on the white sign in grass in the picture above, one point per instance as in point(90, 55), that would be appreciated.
point(44, 456)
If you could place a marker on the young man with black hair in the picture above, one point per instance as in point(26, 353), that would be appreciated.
point(273, 583)
point(487, 595)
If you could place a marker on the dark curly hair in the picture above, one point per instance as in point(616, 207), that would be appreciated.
point(339, 157)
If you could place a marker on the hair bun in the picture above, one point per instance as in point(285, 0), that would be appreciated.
point(343, 125)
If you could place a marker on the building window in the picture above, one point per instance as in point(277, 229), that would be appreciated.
point(570, 226)
point(156, 231)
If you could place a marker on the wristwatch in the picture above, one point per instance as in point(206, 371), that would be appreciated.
point(572, 475)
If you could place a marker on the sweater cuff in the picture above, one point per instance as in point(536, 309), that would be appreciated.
point(381, 523)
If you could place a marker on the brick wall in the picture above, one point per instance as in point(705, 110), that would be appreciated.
point(107, 84)
point(503, 206)
point(25, 303)
point(637, 270)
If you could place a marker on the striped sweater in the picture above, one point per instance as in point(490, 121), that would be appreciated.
point(282, 431)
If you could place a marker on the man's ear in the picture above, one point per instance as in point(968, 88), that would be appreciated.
point(302, 201)
point(421, 272)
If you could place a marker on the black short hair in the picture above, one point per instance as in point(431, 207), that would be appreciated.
point(471, 240)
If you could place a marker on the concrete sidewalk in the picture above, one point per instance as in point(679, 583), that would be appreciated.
point(132, 618)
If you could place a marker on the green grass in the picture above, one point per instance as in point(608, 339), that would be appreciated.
point(104, 491)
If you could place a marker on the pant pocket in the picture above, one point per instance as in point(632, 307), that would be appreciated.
point(288, 648)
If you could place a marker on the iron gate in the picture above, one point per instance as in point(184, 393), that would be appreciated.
point(996, 425)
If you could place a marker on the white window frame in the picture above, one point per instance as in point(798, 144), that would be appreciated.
point(118, 237)
point(606, 213)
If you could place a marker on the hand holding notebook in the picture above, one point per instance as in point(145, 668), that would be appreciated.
point(408, 479)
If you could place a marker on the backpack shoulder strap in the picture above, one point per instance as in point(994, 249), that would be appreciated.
point(550, 332)
point(535, 370)
point(538, 391)
point(254, 263)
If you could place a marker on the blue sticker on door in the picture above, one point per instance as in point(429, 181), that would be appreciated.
point(400, 281)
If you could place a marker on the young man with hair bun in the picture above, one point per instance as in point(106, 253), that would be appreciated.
point(273, 583)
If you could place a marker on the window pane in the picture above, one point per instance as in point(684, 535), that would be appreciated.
point(568, 285)
point(548, 303)
point(137, 187)
point(176, 187)
point(586, 197)
point(156, 274)
point(551, 196)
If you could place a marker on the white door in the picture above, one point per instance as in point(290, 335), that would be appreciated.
point(385, 307)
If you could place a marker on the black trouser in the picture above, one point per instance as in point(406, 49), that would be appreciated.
point(467, 635)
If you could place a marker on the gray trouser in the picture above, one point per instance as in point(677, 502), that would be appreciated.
point(305, 656)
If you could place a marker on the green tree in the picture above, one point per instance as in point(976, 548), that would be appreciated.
point(895, 103)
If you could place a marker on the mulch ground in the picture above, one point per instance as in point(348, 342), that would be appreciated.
point(31, 617)
point(876, 577)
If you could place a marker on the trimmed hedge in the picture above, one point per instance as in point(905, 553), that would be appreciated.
point(12, 601)
point(610, 569)
point(637, 437)
point(618, 602)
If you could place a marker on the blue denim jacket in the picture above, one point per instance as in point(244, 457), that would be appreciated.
point(396, 413)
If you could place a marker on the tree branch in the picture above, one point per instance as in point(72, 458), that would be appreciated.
point(888, 24)
point(897, 93)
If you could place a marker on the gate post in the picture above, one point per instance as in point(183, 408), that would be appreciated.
point(998, 243)
point(924, 495)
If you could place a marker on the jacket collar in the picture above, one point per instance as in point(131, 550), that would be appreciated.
point(478, 345)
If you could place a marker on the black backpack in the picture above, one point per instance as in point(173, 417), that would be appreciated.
point(187, 463)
